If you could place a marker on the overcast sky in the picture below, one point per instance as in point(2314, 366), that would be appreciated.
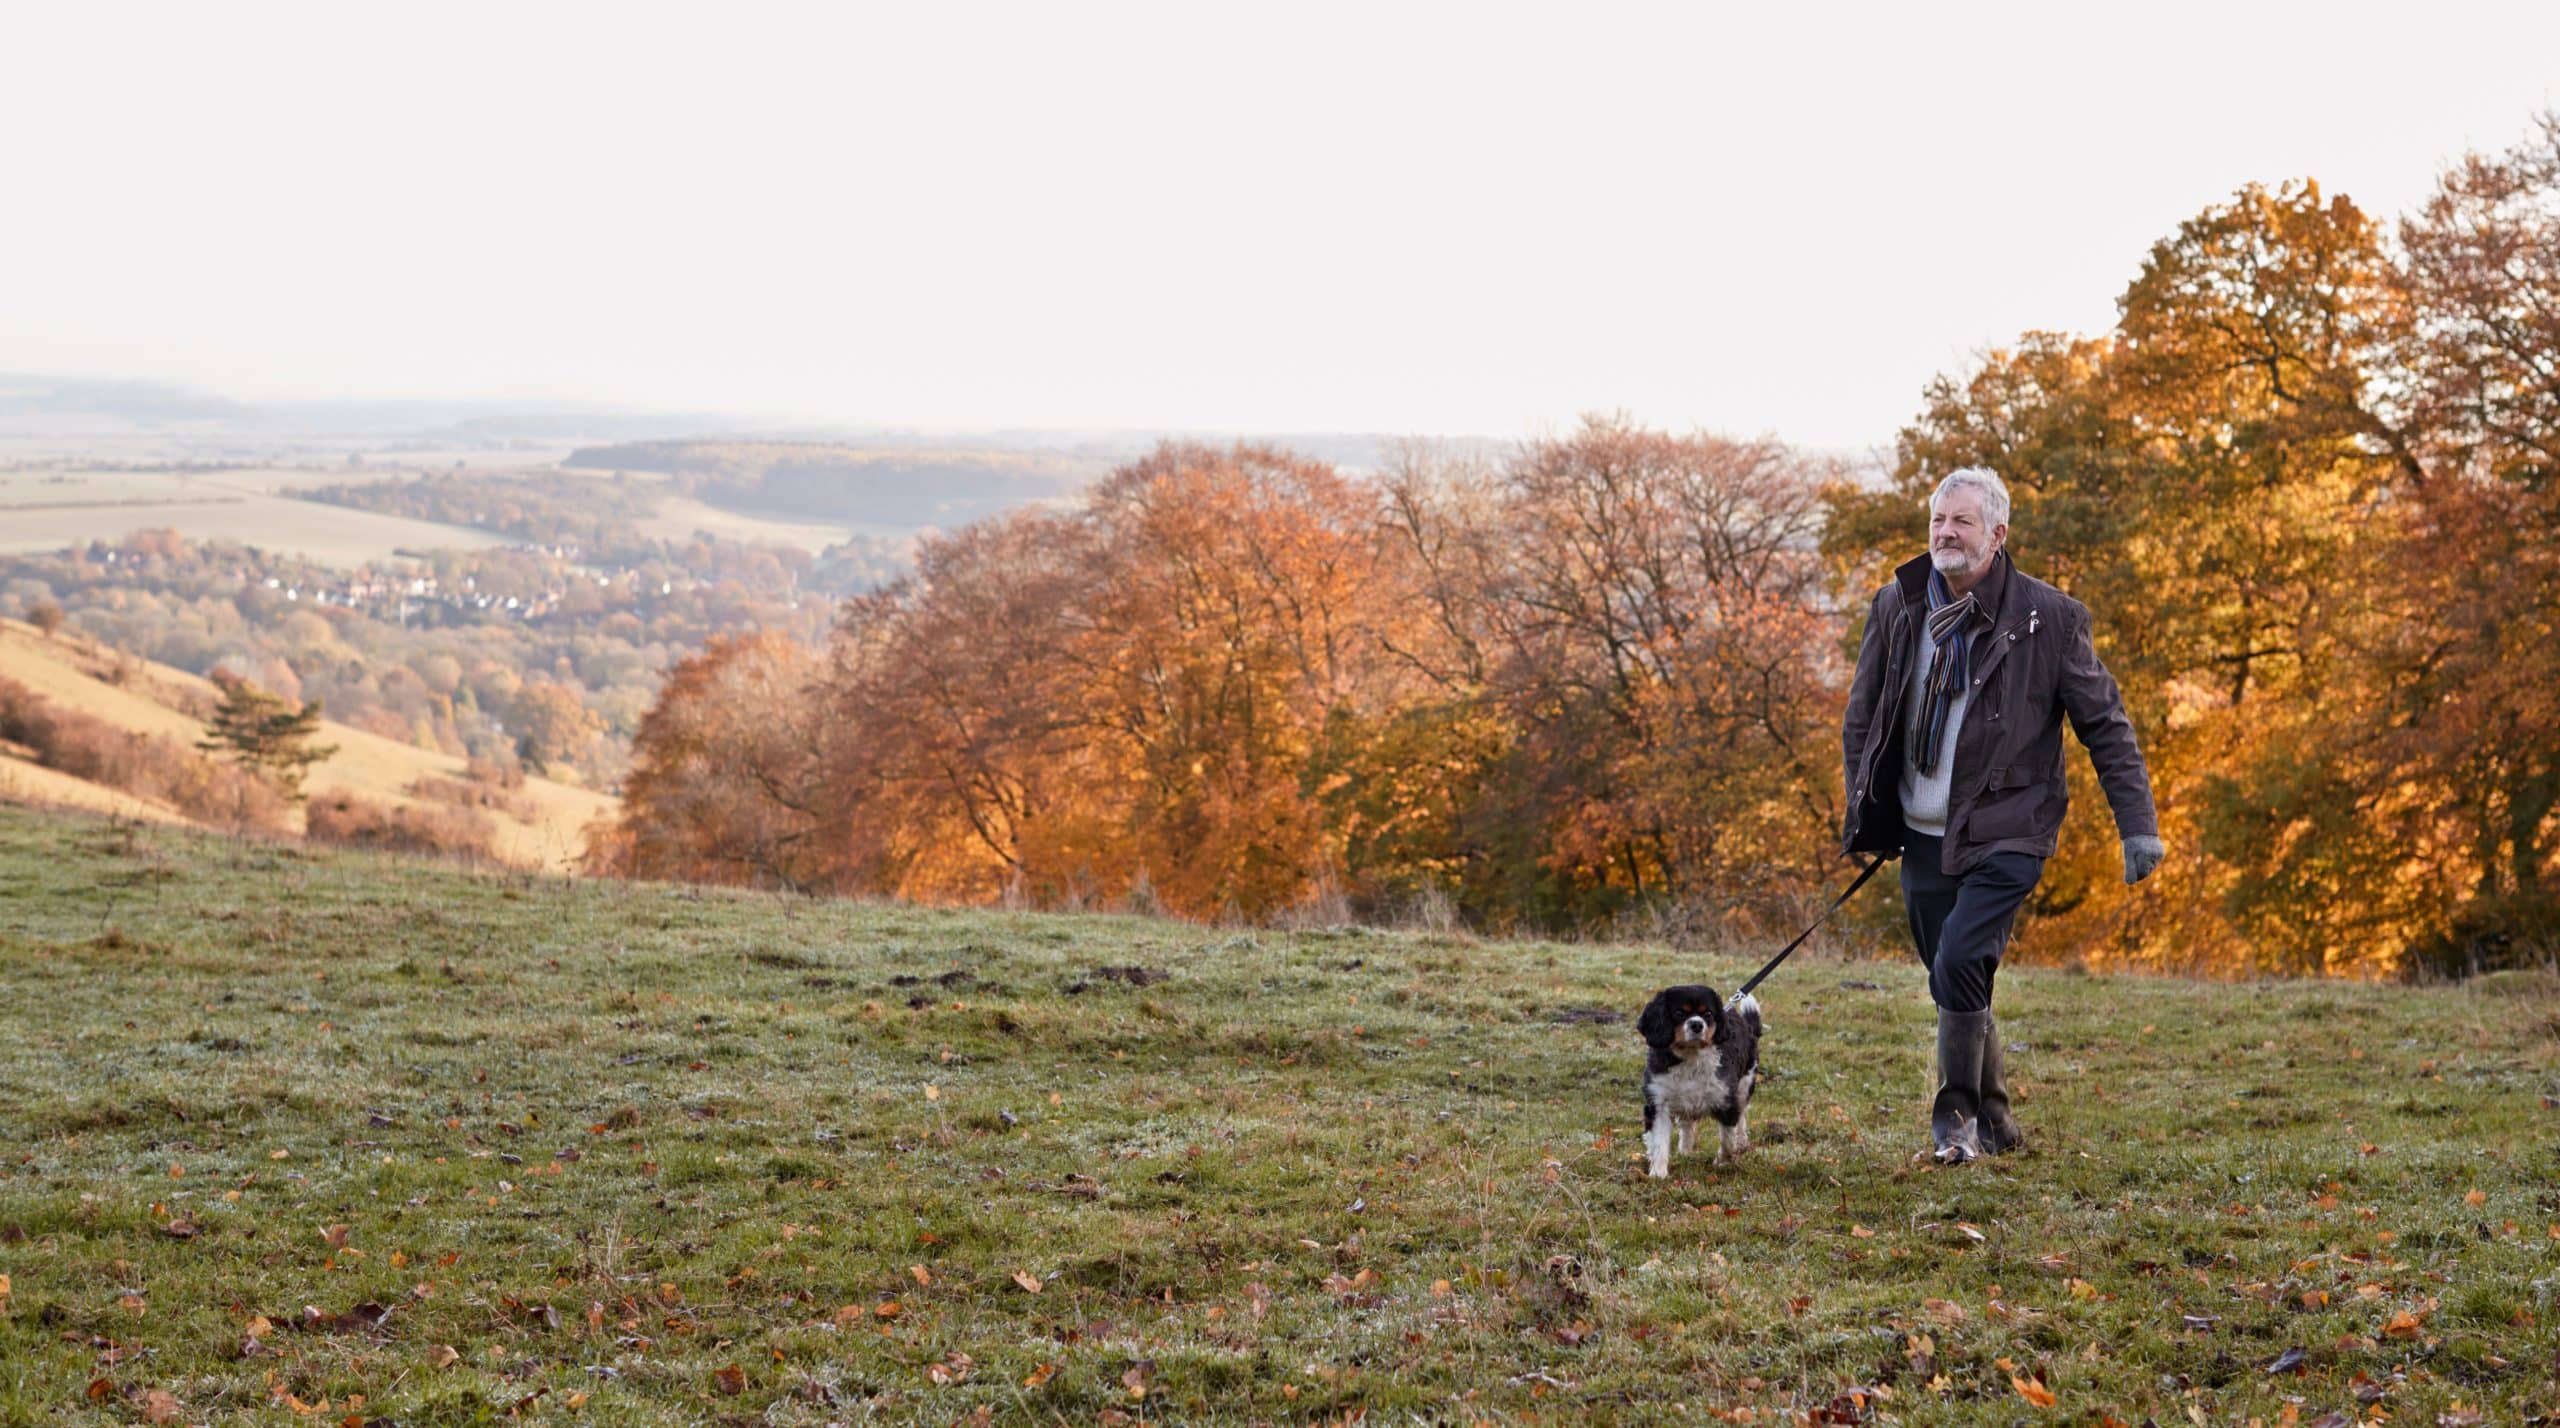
point(1373, 217)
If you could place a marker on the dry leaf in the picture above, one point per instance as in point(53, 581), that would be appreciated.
point(731, 1380)
point(334, 1236)
point(2476, 1197)
point(2403, 1325)
point(1028, 1280)
point(922, 1275)
point(2082, 1289)
point(1139, 1375)
point(160, 1406)
point(2033, 1392)
point(1040, 1375)
point(443, 1356)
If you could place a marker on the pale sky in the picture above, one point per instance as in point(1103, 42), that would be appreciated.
point(1300, 217)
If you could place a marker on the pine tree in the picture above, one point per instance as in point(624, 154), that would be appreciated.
point(256, 728)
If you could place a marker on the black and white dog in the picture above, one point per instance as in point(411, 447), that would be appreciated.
point(1703, 1057)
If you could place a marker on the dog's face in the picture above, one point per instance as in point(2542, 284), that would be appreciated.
point(1682, 1021)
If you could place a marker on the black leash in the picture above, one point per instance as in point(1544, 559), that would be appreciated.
point(1864, 873)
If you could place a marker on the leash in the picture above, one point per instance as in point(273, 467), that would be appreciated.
point(1864, 873)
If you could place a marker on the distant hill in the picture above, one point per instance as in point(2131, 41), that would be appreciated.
point(542, 825)
point(892, 486)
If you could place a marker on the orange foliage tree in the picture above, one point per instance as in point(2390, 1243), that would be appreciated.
point(720, 788)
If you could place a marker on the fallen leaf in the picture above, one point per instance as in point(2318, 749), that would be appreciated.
point(2082, 1289)
point(443, 1356)
point(179, 1229)
point(2404, 1325)
point(160, 1406)
point(1862, 1232)
point(923, 1276)
point(2033, 1392)
point(2476, 1197)
point(1138, 1377)
point(334, 1236)
point(2290, 1361)
point(1040, 1375)
point(1029, 1281)
point(731, 1380)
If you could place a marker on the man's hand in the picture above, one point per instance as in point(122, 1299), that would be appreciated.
point(2142, 853)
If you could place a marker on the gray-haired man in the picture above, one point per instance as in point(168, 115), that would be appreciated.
point(1954, 761)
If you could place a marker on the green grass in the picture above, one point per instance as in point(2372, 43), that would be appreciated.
point(652, 1155)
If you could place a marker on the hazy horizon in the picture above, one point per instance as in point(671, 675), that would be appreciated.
point(1426, 220)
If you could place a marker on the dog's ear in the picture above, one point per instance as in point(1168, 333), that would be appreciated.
point(1655, 1025)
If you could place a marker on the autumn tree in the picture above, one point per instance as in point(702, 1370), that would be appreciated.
point(2410, 814)
point(721, 786)
point(1629, 634)
point(959, 762)
point(552, 725)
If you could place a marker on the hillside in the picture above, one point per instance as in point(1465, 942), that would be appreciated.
point(887, 486)
point(367, 1138)
point(544, 830)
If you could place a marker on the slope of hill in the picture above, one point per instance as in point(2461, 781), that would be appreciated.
point(540, 1147)
point(887, 486)
point(544, 829)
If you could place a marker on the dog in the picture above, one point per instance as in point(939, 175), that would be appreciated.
point(1703, 1058)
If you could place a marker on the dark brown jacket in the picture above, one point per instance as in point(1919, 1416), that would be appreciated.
point(2032, 668)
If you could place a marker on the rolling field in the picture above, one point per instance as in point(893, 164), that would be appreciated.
point(44, 510)
point(147, 700)
point(303, 1136)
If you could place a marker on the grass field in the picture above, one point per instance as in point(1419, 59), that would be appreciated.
point(294, 1133)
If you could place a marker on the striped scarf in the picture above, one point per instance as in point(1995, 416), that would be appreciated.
point(1948, 618)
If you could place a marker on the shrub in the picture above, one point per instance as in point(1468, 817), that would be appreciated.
point(353, 820)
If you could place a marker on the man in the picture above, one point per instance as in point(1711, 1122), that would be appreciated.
point(1954, 761)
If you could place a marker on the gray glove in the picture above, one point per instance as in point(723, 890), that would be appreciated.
point(2142, 853)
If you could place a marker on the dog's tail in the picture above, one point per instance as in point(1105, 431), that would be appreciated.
point(1747, 1007)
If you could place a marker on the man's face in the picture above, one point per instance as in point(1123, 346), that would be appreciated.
point(1962, 538)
